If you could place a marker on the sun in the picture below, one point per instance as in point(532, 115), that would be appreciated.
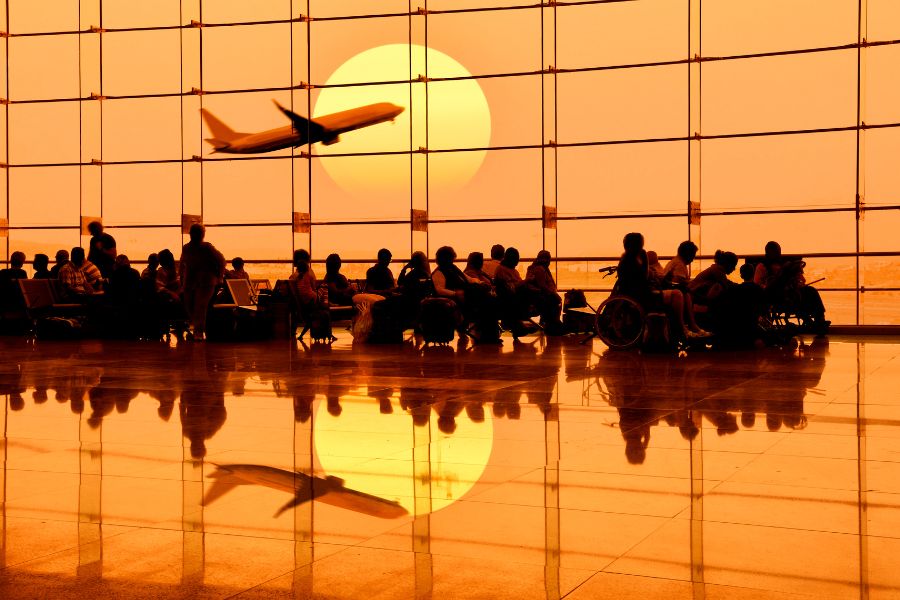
point(458, 117)
point(374, 453)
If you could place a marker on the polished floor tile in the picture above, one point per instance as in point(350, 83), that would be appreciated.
point(531, 470)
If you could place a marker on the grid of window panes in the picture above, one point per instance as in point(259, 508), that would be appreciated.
point(779, 119)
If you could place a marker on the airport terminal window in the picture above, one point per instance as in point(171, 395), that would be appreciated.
point(580, 113)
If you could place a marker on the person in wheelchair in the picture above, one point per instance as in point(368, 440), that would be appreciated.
point(785, 288)
point(633, 280)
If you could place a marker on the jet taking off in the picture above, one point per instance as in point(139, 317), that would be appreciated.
point(301, 131)
point(304, 487)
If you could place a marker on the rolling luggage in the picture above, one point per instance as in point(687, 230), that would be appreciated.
point(387, 324)
point(437, 320)
point(319, 321)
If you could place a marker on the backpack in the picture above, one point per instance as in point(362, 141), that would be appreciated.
point(574, 299)
point(437, 320)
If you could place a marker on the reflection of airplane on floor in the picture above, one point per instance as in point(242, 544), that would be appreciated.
point(329, 489)
point(326, 129)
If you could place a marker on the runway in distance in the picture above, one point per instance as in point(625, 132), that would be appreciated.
point(301, 131)
point(304, 488)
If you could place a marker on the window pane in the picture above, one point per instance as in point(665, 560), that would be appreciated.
point(840, 307)
point(459, 118)
point(257, 243)
point(879, 308)
point(882, 89)
point(43, 67)
point(880, 271)
point(247, 191)
point(43, 241)
point(780, 93)
point(381, 137)
point(622, 178)
point(603, 237)
point(138, 243)
point(344, 8)
point(142, 129)
point(492, 192)
point(333, 43)
point(44, 196)
point(584, 274)
point(879, 230)
point(647, 103)
point(142, 194)
point(360, 188)
point(526, 236)
point(883, 21)
point(30, 125)
point(791, 171)
point(28, 16)
point(128, 13)
point(239, 11)
point(619, 33)
point(797, 233)
point(141, 62)
point(246, 57)
point(361, 241)
point(479, 49)
point(731, 28)
point(881, 173)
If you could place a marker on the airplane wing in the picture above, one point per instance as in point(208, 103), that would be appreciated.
point(304, 126)
point(225, 481)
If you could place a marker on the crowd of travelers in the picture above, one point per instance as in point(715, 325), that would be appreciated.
point(477, 301)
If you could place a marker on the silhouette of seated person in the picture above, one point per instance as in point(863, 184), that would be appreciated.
point(712, 281)
point(491, 264)
point(735, 312)
point(168, 284)
point(543, 294)
point(123, 288)
point(785, 286)
point(149, 271)
point(473, 297)
point(61, 258)
point(414, 281)
point(237, 270)
point(475, 269)
point(10, 297)
point(41, 266)
point(379, 277)
point(633, 280)
point(340, 292)
point(676, 275)
point(79, 278)
point(303, 282)
point(512, 294)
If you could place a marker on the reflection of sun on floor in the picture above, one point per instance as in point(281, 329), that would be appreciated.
point(458, 117)
point(386, 455)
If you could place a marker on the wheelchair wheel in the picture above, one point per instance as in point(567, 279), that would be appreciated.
point(620, 322)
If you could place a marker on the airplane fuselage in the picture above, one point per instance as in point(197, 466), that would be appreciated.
point(326, 129)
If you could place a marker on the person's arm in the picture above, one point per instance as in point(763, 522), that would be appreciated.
point(760, 275)
point(182, 269)
point(440, 287)
point(109, 247)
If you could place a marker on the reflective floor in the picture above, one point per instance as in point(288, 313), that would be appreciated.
point(535, 470)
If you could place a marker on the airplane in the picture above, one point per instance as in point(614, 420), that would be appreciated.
point(326, 129)
point(305, 488)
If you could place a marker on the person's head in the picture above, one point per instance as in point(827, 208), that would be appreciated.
point(652, 258)
point(510, 258)
point(41, 262)
point(62, 257)
point(687, 251)
point(747, 271)
point(543, 258)
point(384, 257)
point(17, 260)
point(333, 264)
point(122, 262)
point(475, 261)
point(301, 256)
point(726, 260)
point(633, 242)
point(445, 256)
point(153, 260)
point(166, 259)
point(419, 260)
point(95, 228)
point(237, 263)
point(773, 250)
point(497, 252)
point(78, 256)
point(197, 232)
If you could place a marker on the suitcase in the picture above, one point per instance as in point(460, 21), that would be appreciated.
point(387, 326)
point(319, 322)
point(437, 320)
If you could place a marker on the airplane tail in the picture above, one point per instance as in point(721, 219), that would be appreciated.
point(223, 135)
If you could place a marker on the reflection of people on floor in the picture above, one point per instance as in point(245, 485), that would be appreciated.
point(202, 407)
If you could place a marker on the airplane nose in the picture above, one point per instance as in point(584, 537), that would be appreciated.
point(396, 110)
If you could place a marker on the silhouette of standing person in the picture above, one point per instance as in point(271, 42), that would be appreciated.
point(102, 251)
point(202, 268)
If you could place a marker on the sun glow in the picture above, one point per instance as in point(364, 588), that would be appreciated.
point(458, 117)
point(380, 454)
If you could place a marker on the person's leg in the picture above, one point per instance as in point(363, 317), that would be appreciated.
point(202, 296)
point(188, 302)
point(674, 299)
point(689, 312)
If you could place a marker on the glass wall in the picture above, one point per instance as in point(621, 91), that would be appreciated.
point(763, 120)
